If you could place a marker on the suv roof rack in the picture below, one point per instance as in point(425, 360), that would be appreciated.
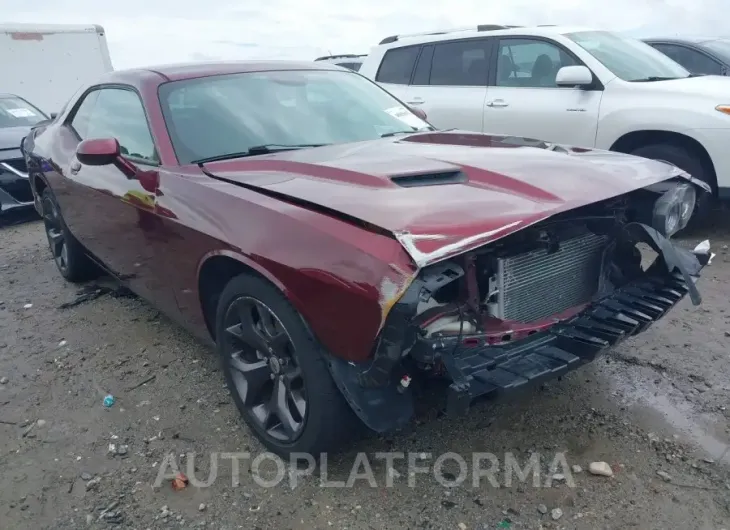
point(480, 27)
point(343, 56)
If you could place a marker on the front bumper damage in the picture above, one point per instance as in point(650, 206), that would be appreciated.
point(484, 369)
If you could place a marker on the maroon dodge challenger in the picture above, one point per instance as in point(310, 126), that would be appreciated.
point(336, 248)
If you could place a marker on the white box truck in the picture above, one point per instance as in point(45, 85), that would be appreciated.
point(47, 64)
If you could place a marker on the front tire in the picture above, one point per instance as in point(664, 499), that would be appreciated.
point(68, 254)
point(690, 163)
point(277, 372)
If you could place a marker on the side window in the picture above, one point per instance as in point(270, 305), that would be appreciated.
point(692, 60)
point(397, 65)
point(529, 63)
point(119, 114)
point(80, 121)
point(460, 63)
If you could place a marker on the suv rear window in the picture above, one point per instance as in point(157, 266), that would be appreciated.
point(397, 65)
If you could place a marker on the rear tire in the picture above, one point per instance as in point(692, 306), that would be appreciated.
point(70, 257)
point(684, 160)
point(277, 355)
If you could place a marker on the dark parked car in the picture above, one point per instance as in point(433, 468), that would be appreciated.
point(17, 117)
point(335, 247)
point(699, 56)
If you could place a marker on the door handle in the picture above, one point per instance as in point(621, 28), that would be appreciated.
point(75, 167)
point(498, 103)
point(419, 102)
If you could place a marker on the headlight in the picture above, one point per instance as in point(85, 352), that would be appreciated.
point(673, 210)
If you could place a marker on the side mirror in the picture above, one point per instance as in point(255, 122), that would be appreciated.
point(419, 112)
point(98, 151)
point(572, 76)
point(54, 115)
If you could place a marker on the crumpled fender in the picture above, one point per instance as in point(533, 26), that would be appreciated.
point(688, 263)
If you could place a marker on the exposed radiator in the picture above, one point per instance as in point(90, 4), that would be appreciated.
point(536, 285)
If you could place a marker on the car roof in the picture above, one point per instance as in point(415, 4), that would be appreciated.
point(180, 71)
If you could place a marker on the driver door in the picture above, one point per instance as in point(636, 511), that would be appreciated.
point(111, 214)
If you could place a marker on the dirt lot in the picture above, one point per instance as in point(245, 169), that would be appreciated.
point(658, 404)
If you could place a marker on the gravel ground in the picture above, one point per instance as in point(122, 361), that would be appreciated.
point(656, 405)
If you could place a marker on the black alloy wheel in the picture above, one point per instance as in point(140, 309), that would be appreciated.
point(55, 233)
point(264, 370)
point(69, 255)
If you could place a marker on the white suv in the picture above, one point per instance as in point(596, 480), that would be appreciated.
point(572, 86)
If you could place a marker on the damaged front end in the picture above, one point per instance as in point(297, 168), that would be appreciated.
point(530, 306)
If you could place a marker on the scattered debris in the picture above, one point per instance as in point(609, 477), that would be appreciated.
point(556, 513)
point(505, 523)
point(86, 476)
point(27, 306)
point(601, 469)
point(41, 423)
point(93, 484)
point(4, 380)
point(462, 526)
point(27, 431)
point(144, 382)
point(202, 507)
point(62, 344)
point(109, 401)
point(94, 291)
point(179, 482)
point(577, 469)
point(108, 511)
point(542, 509)
point(665, 476)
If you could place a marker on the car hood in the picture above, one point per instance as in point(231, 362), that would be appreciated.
point(714, 86)
point(10, 137)
point(498, 184)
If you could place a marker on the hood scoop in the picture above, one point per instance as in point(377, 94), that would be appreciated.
point(429, 179)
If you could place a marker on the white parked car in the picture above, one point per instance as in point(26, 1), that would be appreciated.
point(562, 85)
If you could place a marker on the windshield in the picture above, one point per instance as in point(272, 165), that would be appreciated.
point(721, 48)
point(16, 112)
point(226, 114)
point(627, 58)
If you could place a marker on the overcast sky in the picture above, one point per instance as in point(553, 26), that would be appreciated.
point(145, 32)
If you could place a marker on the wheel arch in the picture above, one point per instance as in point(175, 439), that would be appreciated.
point(217, 268)
point(633, 140)
point(39, 183)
